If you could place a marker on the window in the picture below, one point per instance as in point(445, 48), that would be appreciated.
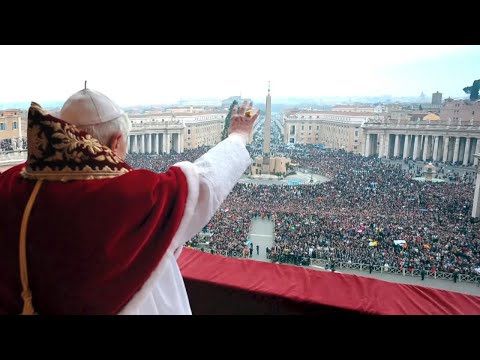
point(310, 127)
point(292, 141)
point(14, 125)
point(356, 133)
point(303, 127)
point(292, 130)
point(2, 126)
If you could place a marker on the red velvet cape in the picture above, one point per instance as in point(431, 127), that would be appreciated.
point(91, 244)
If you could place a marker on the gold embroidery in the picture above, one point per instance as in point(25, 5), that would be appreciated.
point(59, 151)
point(40, 142)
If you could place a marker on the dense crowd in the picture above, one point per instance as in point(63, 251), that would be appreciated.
point(355, 217)
point(160, 163)
point(227, 231)
point(12, 144)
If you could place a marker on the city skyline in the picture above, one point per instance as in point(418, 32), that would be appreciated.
point(144, 75)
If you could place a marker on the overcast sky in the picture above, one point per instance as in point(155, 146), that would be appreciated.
point(157, 74)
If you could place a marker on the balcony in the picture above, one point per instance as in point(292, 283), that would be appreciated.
point(221, 285)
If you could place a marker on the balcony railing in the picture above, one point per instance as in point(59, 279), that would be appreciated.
point(225, 285)
point(356, 266)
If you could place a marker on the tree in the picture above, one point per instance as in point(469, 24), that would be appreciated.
point(473, 90)
point(228, 119)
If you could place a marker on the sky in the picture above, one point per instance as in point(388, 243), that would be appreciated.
point(162, 74)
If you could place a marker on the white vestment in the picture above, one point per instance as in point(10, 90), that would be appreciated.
point(210, 179)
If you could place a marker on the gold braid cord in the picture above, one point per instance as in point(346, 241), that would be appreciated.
point(26, 292)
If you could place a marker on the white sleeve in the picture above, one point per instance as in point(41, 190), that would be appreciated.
point(210, 179)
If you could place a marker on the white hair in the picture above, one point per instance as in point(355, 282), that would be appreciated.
point(104, 131)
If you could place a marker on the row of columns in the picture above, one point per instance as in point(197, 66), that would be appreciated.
point(425, 147)
point(155, 143)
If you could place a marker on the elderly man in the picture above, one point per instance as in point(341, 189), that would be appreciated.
point(83, 233)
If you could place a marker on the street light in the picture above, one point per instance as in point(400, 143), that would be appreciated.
point(476, 202)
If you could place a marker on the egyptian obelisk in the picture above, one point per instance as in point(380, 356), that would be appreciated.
point(266, 140)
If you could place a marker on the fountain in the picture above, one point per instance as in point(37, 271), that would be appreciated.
point(428, 171)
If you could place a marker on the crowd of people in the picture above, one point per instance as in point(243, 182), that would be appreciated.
point(161, 162)
point(359, 216)
point(12, 144)
point(355, 217)
point(226, 232)
point(370, 212)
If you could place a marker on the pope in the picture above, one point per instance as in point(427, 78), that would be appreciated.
point(81, 232)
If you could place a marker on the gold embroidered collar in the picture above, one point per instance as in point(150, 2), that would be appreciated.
point(59, 151)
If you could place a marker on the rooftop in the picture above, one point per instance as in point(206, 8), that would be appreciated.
point(176, 114)
point(292, 113)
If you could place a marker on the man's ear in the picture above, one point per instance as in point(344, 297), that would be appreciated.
point(115, 142)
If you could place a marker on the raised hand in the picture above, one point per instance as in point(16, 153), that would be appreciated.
point(243, 119)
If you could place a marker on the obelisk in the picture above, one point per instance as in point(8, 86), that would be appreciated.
point(266, 140)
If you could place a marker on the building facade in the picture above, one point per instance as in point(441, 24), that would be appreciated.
point(437, 98)
point(165, 132)
point(357, 108)
point(464, 111)
point(203, 129)
point(431, 139)
point(336, 130)
point(10, 124)
point(182, 110)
